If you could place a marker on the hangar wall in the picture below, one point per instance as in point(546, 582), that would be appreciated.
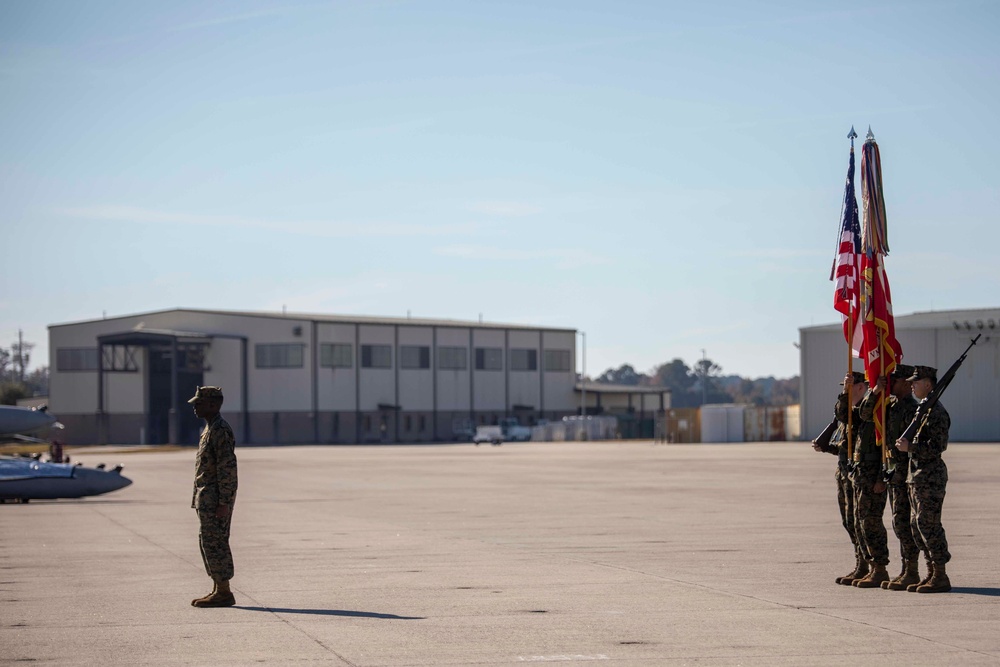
point(932, 339)
point(388, 383)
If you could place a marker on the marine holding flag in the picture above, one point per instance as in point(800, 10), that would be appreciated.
point(869, 499)
point(844, 273)
point(902, 408)
point(879, 351)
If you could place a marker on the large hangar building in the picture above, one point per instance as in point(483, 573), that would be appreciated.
point(935, 339)
point(300, 378)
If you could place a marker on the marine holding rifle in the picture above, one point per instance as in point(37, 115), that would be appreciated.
point(928, 477)
point(900, 409)
point(838, 444)
point(869, 499)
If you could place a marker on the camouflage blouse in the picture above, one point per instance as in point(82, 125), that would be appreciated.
point(863, 432)
point(215, 467)
point(929, 443)
point(898, 415)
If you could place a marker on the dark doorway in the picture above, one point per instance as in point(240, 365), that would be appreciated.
point(160, 363)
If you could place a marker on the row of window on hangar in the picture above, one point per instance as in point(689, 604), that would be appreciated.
point(341, 355)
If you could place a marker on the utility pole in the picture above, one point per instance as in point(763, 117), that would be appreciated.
point(20, 356)
point(583, 378)
point(704, 377)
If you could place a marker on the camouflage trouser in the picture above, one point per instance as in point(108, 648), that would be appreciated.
point(213, 538)
point(899, 500)
point(845, 499)
point(868, 510)
point(926, 500)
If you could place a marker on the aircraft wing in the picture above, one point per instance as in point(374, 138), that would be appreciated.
point(17, 437)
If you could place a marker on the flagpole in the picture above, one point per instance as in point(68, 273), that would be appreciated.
point(850, 393)
point(850, 352)
point(884, 397)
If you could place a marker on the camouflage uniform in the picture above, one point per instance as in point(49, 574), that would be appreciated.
point(845, 488)
point(215, 484)
point(927, 480)
point(898, 415)
point(869, 506)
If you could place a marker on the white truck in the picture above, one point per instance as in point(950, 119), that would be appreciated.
point(491, 434)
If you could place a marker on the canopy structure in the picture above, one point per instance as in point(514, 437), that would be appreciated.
point(172, 355)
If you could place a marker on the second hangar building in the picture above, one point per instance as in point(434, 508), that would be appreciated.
point(935, 338)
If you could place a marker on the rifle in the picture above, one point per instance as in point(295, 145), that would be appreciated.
point(823, 439)
point(932, 399)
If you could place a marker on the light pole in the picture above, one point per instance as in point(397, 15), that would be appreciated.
point(583, 377)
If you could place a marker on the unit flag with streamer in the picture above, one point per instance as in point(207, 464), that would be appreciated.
point(880, 350)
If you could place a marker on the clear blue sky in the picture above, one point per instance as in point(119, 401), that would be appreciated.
point(666, 176)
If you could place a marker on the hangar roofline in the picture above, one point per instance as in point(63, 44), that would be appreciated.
point(328, 318)
point(930, 318)
point(603, 388)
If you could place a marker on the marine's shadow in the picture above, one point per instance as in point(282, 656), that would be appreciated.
point(988, 592)
point(333, 612)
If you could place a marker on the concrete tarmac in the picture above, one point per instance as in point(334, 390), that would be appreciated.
point(625, 553)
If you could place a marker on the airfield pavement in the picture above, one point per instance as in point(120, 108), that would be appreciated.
point(628, 553)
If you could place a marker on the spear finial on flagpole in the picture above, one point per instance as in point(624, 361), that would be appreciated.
point(870, 136)
point(852, 136)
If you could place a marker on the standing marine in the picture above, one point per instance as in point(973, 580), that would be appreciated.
point(215, 482)
point(838, 445)
point(899, 412)
point(869, 500)
point(928, 477)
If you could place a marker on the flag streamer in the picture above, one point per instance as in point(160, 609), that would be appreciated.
point(874, 238)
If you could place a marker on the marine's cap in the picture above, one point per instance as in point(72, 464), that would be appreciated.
point(924, 373)
point(206, 393)
point(902, 371)
point(858, 378)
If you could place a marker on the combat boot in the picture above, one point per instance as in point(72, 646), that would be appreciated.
point(885, 584)
point(874, 578)
point(912, 588)
point(222, 597)
point(853, 573)
point(215, 587)
point(860, 572)
point(909, 575)
point(939, 583)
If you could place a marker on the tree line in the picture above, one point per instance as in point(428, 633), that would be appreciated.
point(16, 381)
point(689, 386)
point(704, 383)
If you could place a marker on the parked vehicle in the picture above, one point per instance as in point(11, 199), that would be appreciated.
point(513, 431)
point(491, 434)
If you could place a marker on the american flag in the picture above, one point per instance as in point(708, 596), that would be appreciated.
point(846, 266)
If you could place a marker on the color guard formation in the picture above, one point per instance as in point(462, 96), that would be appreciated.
point(912, 476)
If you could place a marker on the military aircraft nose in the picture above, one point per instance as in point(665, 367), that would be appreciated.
point(95, 482)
